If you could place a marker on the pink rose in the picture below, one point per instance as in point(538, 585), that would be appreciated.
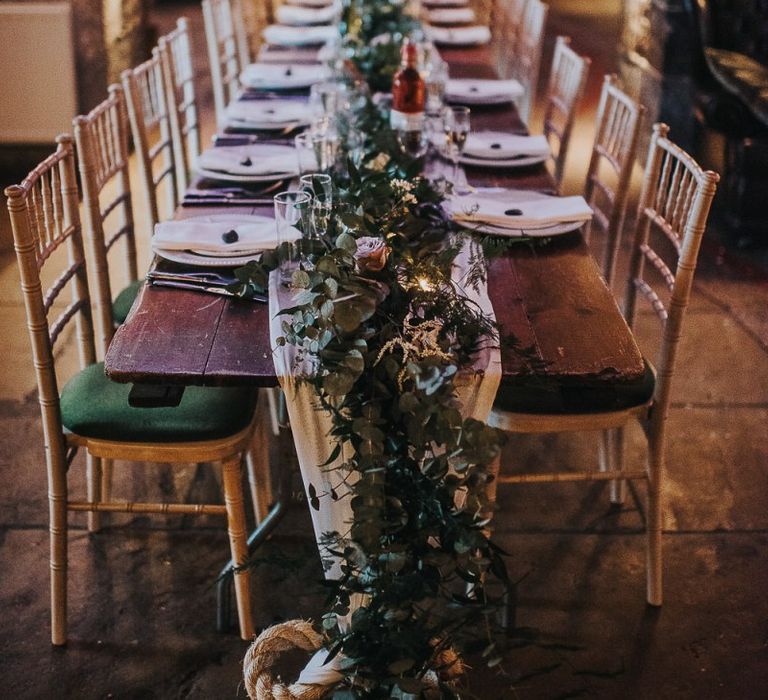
point(371, 254)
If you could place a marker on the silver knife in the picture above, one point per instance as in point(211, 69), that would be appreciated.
point(220, 291)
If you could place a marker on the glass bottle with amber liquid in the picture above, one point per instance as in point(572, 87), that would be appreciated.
point(408, 100)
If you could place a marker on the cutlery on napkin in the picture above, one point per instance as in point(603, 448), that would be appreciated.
point(479, 89)
point(271, 112)
point(498, 145)
point(517, 213)
point(284, 35)
point(459, 36)
point(451, 15)
point(249, 160)
point(282, 75)
point(445, 3)
point(218, 237)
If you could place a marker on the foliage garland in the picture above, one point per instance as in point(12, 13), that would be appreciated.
point(389, 332)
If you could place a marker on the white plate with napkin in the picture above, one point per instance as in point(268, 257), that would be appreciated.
point(284, 35)
point(298, 16)
point(451, 15)
point(459, 36)
point(200, 240)
point(279, 114)
point(258, 162)
point(282, 76)
point(493, 149)
point(518, 212)
point(482, 92)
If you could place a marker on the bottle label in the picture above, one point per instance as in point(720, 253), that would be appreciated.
point(407, 121)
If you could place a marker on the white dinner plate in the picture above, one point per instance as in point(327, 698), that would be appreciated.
point(207, 258)
point(229, 177)
point(542, 232)
point(470, 99)
point(291, 167)
point(520, 162)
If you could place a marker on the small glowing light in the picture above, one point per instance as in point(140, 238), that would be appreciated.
point(424, 284)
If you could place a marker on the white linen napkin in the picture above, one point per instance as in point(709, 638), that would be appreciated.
point(284, 35)
point(291, 14)
point(476, 208)
point(477, 89)
point(206, 236)
point(249, 160)
point(310, 3)
point(302, 54)
point(282, 75)
point(272, 112)
point(451, 15)
point(500, 145)
point(459, 36)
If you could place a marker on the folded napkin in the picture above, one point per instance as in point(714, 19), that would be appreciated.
point(304, 55)
point(480, 209)
point(249, 160)
point(285, 35)
point(451, 15)
point(271, 112)
point(282, 75)
point(290, 14)
point(500, 145)
point(459, 36)
point(310, 3)
point(207, 237)
point(479, 89)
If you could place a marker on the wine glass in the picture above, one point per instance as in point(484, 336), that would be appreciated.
point(291, 212)
point(456, 127)
point(320, 187)
point(414, 141)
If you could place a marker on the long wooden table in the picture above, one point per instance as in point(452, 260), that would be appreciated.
point(551, 298)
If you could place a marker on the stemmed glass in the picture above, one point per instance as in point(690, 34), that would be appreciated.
point(415, 141)
point(320, 188)
point(456, 127)
point(292, 210)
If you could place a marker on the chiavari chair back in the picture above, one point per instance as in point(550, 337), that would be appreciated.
point(610, 168)
point(101, 137)
point(178, 72)
point(506, 24)
point(227, 50)
point(150, 121)
point(92, 412)
point(525, 61)
point(565, 90)
point(674, 206)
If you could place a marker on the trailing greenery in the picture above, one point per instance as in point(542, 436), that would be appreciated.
point(390, 334)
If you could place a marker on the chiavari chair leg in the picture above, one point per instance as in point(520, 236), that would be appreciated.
point(654, 527)
point(94, 485)
point(233, 498)
point(107, 467)
point(57, 497)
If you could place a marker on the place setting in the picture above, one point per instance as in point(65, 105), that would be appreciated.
point(517, 213)
point(474, 91)
point(498, 149)
point(282, 76)
point(303, 15)
point(473, 35)
point(282, 114)
point(445, 16)
point(288, 35)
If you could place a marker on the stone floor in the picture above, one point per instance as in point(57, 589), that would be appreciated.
point(142, 592)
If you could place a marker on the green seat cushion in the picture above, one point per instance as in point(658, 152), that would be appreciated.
point(94, 406)
point(542, 396)
point(121, 306)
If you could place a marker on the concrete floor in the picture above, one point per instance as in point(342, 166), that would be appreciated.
point(142, 591)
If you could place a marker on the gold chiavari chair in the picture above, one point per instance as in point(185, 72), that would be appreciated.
point(227, 50)
point(178, 73)
point(150, 121)
point(525, 61)
point(565, 90)
point(506, 24)
point(674, 206)
point(101, 137)
point(90, 411)
point(610, 168)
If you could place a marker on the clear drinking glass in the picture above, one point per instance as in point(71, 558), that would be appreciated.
point(435, 83)
point(326, 146)
point(305, 153)
point(324, 98)
point(456, 127)
point(292, 211)
point(320, 188)
point(415, 141)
